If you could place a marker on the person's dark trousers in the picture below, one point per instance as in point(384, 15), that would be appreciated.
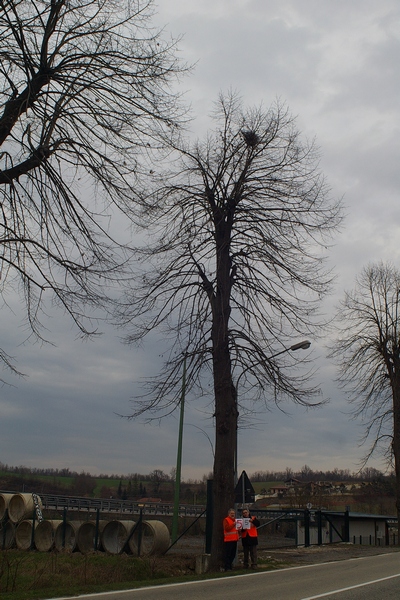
point(230, 553)
point(250, 551)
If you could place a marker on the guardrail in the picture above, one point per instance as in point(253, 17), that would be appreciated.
point(112, 505)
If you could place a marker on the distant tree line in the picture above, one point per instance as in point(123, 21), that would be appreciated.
point(65, 472)
point(134, 486)
point(307, 474)
point(22, 470)
point(132, 481)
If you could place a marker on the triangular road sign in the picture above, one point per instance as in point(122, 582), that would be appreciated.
point(244, 491)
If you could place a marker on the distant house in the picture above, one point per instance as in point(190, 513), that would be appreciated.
point(325, 485)
point(292, 482)
point(312, 487)
point(277, 490)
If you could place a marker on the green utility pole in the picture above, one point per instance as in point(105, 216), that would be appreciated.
point(174, 534)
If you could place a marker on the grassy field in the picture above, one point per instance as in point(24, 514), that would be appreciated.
point(109, 483)
point(40, 576)
point(61, 484)
point(60, 480)
point(265, 485)
point(34, 575)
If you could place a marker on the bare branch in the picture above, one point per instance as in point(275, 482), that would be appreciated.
point(85, 98)
point(367, 351)
point(235, 272)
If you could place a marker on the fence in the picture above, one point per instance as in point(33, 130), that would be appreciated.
point(143, 527)
point(28, 521)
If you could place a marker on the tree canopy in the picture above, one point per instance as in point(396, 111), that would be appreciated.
point(233, 271)
point(85, 92)
point(367, 351)
point(245, 218)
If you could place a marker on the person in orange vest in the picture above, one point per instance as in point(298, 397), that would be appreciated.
point(231, 536)
point(249, 537)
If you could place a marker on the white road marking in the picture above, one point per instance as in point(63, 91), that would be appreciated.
point(352, 587)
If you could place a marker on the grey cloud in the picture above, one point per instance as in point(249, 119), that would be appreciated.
point(335, 63)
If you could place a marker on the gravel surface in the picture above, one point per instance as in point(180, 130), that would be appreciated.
point(181, 559)
point(326, 553)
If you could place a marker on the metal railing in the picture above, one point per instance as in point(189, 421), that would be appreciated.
point(112, 505)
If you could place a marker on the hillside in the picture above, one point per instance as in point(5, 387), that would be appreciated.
point(369, 491)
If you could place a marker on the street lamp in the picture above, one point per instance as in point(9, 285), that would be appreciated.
point(303, 345)
point(174, 532)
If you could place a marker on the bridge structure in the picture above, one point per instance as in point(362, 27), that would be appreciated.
point(117, 506)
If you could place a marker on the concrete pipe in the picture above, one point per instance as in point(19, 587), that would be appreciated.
point(7, 535)
point(86, 536)
point(21, 506)
point(45, 534)
point(155, 539)
point(23, 534)
point(65, 535)
point(115, 534)
point(4, 501)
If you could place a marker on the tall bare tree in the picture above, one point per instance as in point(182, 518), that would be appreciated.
point(237, 272)
point(367, 350)
point(85, 91)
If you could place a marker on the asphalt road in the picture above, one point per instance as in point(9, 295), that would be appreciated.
point(368, 578)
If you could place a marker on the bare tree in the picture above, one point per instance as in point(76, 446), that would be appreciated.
point(236, 273)
point(367, 350)
point(85, 91)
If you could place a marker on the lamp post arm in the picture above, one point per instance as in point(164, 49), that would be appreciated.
point(303, 345)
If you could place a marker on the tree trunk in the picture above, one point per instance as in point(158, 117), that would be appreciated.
point(224, 461)
point(396, 442)
point(226, 412)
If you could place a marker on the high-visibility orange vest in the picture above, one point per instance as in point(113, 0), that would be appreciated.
point(231, 534)
point(252, 532)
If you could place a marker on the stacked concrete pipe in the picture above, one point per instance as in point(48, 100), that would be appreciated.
point(65, 535)
point(112, 536)
point(4, 502)
point(86, 536)
point(23, 534)
point(21, 506)
point(7, 535)
point(154, 539)
point(45, 535)
point(115, 535)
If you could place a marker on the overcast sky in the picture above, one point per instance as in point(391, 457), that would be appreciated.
point(336, 64)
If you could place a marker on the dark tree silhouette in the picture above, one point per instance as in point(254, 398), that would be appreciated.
point(236, 273)
point(367, 351)
point(84, 95)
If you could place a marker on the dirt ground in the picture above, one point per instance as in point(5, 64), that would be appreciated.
point(326, 553)
point(181, 560)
